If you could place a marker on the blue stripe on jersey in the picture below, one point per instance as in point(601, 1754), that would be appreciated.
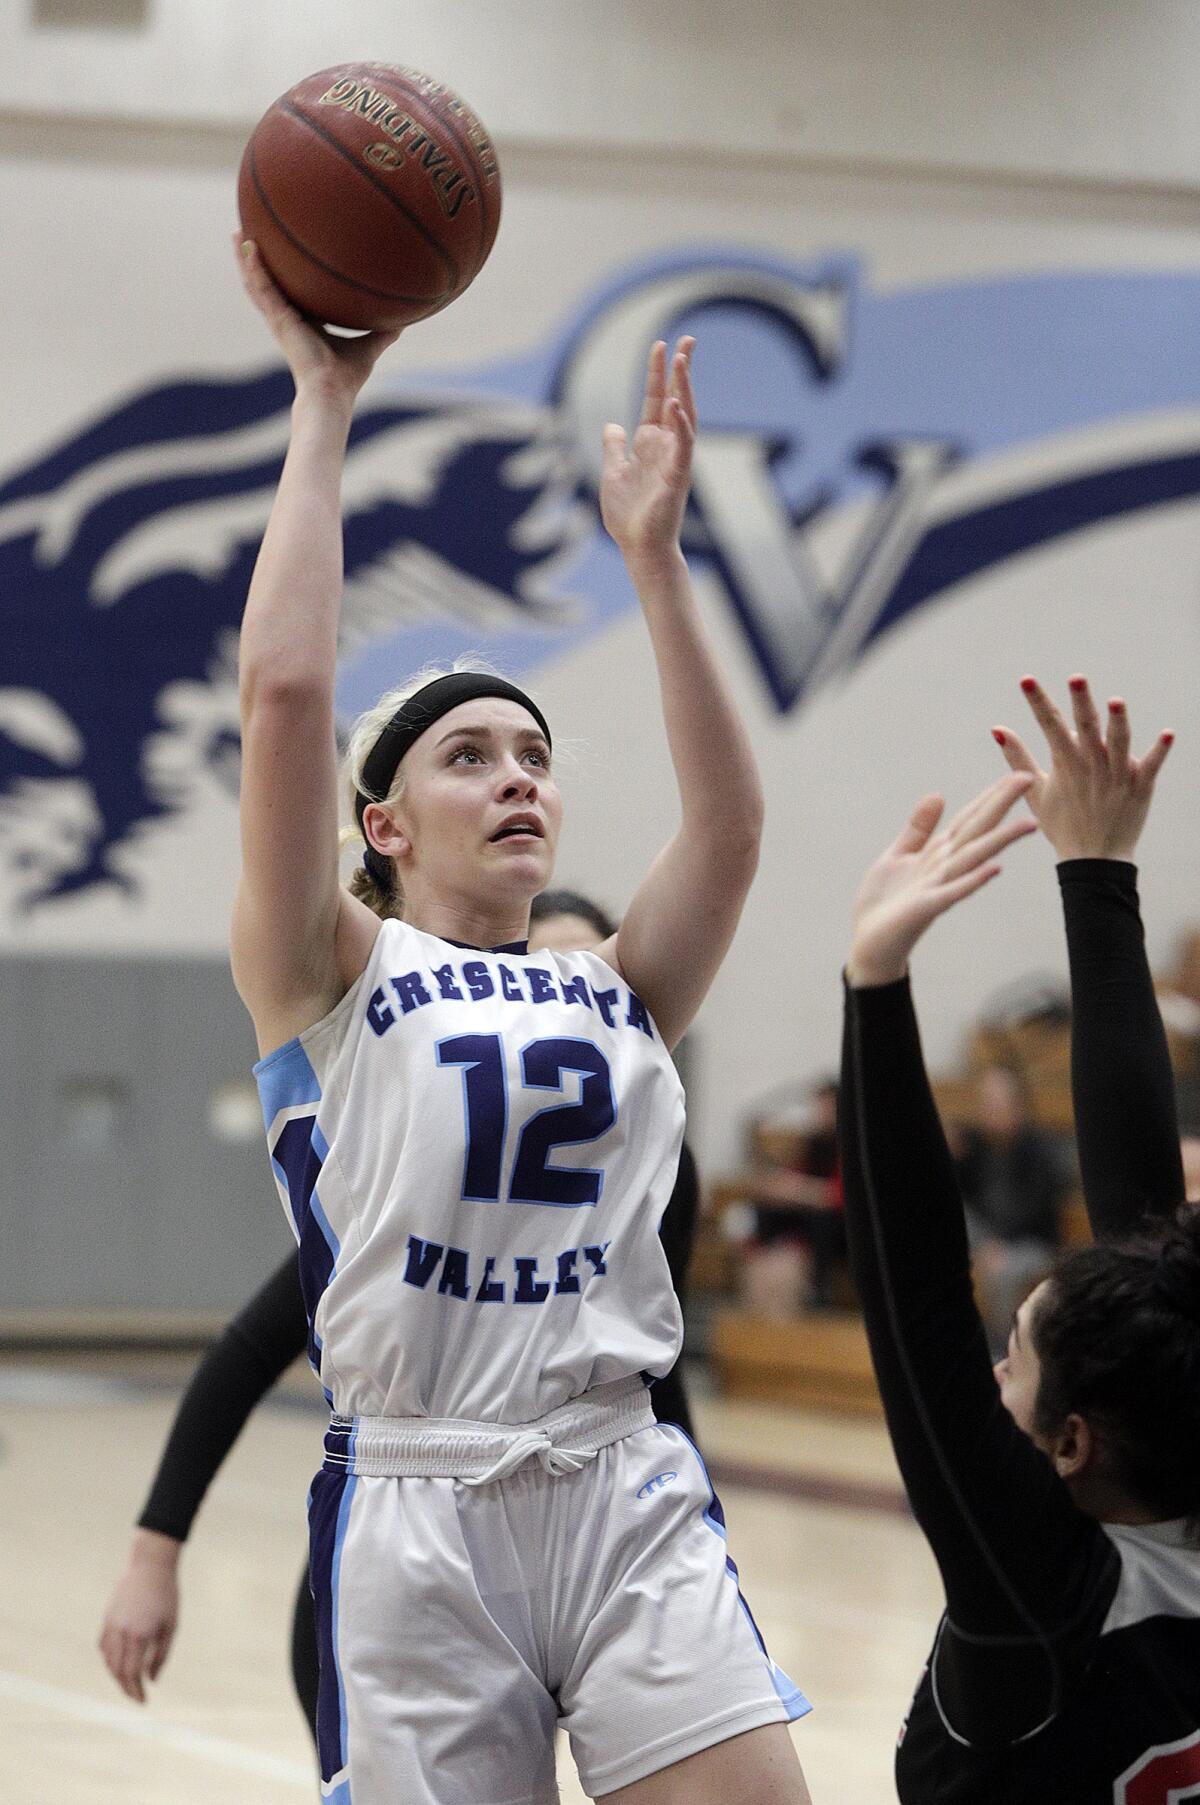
point(788, 1693)
point(298, 1163)
point(300, 1151)
point(287, 1082)
point(328, 1515)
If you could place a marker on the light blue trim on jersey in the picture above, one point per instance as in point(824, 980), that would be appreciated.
point(786, 1689)
point(316, 1207)
point(286, 1080)
point(316, 1211)
point(319, 1346)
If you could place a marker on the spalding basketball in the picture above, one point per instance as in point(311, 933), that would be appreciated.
point(373, 194)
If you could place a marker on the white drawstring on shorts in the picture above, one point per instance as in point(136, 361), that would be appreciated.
point(478, 1453)
point(534, 1443)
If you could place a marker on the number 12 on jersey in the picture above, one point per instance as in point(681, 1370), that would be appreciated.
point(485, 1106)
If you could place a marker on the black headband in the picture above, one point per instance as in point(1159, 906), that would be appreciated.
point(415, 716)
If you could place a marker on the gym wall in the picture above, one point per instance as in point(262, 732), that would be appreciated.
point(947, 310)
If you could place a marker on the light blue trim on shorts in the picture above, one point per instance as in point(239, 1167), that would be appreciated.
point(789, 1694)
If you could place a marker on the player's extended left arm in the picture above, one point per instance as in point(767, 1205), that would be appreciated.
point(1092, 804)
point(678, 927)
point(1126, 1119)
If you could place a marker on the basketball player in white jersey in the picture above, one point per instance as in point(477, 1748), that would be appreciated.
point(475, 1146)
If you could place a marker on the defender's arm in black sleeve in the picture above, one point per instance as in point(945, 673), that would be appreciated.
point(1126, 1126)
point(254, 1350)
point(1018, 1560)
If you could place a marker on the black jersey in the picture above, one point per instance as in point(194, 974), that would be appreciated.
point(1066, 1669)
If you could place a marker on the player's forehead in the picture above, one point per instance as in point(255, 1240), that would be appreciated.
point(492, 717)
point(1027, 1313)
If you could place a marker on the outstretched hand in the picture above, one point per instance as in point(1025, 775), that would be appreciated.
point(1093, 801)
point(925, 872)
point(644, 487)
point(319, 360)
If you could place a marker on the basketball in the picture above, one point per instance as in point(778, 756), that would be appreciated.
point(373, 194)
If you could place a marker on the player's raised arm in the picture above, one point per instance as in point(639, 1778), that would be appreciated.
point(1091, 805)
point(298, 939)
point(681, 920)
point(1007, 1539)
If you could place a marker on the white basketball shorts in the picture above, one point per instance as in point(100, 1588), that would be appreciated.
point(459, 1625)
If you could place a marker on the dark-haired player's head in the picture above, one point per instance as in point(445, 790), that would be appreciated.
point(566, 922)
point(1103, 1372)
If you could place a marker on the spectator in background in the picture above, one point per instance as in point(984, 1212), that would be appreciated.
point(1013, 1181)
point(1179, 1004)
point(799, 1239)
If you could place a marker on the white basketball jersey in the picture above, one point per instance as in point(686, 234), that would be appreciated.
point(475, 1150)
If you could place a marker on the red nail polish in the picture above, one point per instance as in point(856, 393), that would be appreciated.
point(1028, 684)
point(999, 736)
point(1076, 684)
point(1116, 706)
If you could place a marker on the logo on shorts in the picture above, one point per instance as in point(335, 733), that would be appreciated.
point(659, 1481)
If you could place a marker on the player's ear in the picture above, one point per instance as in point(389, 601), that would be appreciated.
point(1074, 1447)
point(386, 834)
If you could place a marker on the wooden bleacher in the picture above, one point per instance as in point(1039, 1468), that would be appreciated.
point(821, 1360)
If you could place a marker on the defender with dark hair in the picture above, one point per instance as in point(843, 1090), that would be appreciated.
point(1060, 1493)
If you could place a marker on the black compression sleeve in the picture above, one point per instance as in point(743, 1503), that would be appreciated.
point(677, 1230)
point(1121, 1082)
point(253, 1351)
point(1016, 1557)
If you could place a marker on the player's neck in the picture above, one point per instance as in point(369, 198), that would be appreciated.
point(468, 923)
point(1108, 1503)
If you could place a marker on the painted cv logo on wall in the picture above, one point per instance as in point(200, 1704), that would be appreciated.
point(861, 453)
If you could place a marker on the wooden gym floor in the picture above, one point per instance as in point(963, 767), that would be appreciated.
point(838, 1578)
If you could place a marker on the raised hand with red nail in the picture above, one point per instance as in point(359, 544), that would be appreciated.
point(1093, 801)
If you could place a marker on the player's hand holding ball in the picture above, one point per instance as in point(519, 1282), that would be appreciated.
point(335, 368)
